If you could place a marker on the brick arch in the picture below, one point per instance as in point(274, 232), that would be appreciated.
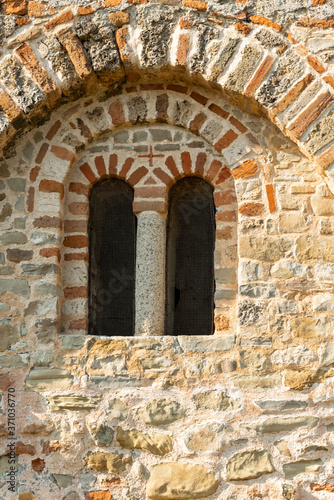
point(231, 58)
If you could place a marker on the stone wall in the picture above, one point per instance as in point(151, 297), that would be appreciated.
point(240, 94)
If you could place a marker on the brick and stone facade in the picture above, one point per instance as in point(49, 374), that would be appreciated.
point(240, 94)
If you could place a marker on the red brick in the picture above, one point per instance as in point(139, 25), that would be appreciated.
point(252, 209)
point(48, 222)
point(182, 50)
point(226, 140)
point(126, 167)
point(196, 4)
point(149, 205)
point(100, 166)
point(213, 170)
point(271, 197)
point(42, 152)
point(53, 130)
point(137, 175)
point(38, 464)
point(30, 199)
point(24, 449)
point(78, 208)
point(131, 90)
point(151, 86)
point(292, 95)
point(50, 252)
point(88, 173)
point(259, 76)
point(177, 88)
point(326, 158)
point(18, 7)
point(163, 176)
point(34, 173)
point(150, 192)
point(76, 292)
point(62, 18)
point(224, 197)
point(171, 165)
point(218, 110)
point(224, 174)
point(49, 186)
point(113, 164)
point(316, 65)
point(200, 163)
point(186, 162)
point(238, 125)
point(226, 216)
point(311, 113)
point(247, 169)
point(78, 241)
point(224, 234)
point(117, 113)
point(197, 123)
point(75, 226)
point(76, 256)
point(79, 188)
point(63, 153)
point(79, 324)
point(5, 381)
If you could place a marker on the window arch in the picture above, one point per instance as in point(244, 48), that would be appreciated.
point(112, 241)
point(190, 258)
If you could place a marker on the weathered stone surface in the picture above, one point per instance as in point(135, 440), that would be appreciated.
point(324, 393)
point(73, 402)
point(292, 469)
point(179, 481)
point(102, 434)
point(322, 206)
point(248, 464)
point(299, 380)
point(292, 223)
point(214, 400)
point(41, 307)
point(161, 412)
point(13, 238)
point(205, 438)
point(298, 355)
point(258, 291)
point(309, 327)
point(43, 358)
point(321, 134)
point(284, 424)
point(257, 381)
point(45, 379)
point(16, 286)
point(281, 405)
point(323, 302)
point(204, 343)
point(39, 269)
point(327, 354)
point(63, 480)
point(313, 248)
point(157, 444)
point(118, 410)
point(107, 462)
point(265, 248)
point(14, 361)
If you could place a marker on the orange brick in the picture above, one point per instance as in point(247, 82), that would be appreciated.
point(218, 110)
point(18, 7)
point(186, 162)
point(50, 252)
point(265, 22)
point(113, 164)
point(137, 176)
point(271, 197)
point(292, 95)
point(200, 163)
point(40, 9)
point(49, 186)
point(62, 18)
point(12, 111)
point(117, 113)
point(199, 98)
point(151, 192)
point(24, 449)
point(195, 4)
point(246, 169)
point(126, 167)
point(21, 21)
point(326, 158)
point(100, 166)
point(149, 205)
point(197, 123)
point(226, 140)
point(98, 495)
point(136, 2)
point(259, 76)
point(76, 292)
point(47, 222)
point(243, 28)
point(163, 176)
point(88, 173)
point(79, 188)
point(78, 208)
point(315, 23)
point(177, 88)
point(226, 216)
point(79, 324)
point(213, 170)
point(316, 3)
point(63, 153)
point(53, 130)
point(311, 113)
point(41, 153)
point(75, 226)
point(238, 125)
point(171, 165)
point(84, 11)
point(76, 256)
point(330, 80)
point(225, 197)
point(112, 3)
point(182, 49)
point(38, 464)
point(224, 234)
point(77, 54)
point(78, 241)
point(186, 23)
point(252, 209)
point(224, 174)
point(119, 18)
point(316, 65)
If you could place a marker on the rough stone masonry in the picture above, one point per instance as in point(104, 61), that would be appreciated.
point(239, 93)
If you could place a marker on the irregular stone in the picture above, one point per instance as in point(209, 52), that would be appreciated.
point(283, 424)
point(299, 380)
point(248, 464)
point(322, 206)
point(46, 330)
point(252, 361)
point(214, 400)
point(206, 343)
point(292, 469)
point(41, 307)
point(73, 402)
point(107, 462)
point(292, 223)
point(156, 364)
point(298, 355)
point(39, 269)
point(63, 480)
point(179, 481)
point(323, 302)
point(46, 379)
point(286, 270)
point(205, 438)
point(44, 238)
point(47, 288)
point(16, 286)
point(258, 291)
point(102, 434)
point(14, 361)
point(281, 405)
point(119, 382)
point(308, 327)
point(257, 381)
point(17, 255)
point(157, 444)
point(17, 184)
point(327, 354)
point(265, 248)
point(117, 410)
point(321, 134)
point(324, 393)
point(313, 248)
point(13, 238)
point(72, 341)
point(9, 335)
point(43, 358)
point(161, 412)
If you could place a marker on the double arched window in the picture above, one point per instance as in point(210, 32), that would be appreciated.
point(189, 257)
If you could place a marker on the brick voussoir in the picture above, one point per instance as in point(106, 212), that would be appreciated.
point(310, 114)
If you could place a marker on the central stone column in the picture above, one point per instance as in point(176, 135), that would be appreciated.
point(150, 273)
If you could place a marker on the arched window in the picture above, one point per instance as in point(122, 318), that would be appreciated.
point(112, 240)
point(190, 253)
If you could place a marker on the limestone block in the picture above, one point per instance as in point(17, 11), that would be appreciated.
point(322, 206)
point(107, 462)
point(157, 444)
point(73, 402)
point(283, 424)
point(298, 355)
point(214, 400)
point(265, 248)
point(248, 464)
point(270, 406)
point(46, 379)
point(206, 343)
point(161, 412)
point(292, 223)
point(205, 438)
point(180, 481)
point(313, 248)
point(292, 469)
point(327, 354)
point(323, 302)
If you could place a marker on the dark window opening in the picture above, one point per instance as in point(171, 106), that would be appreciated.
point(190, 254)
point(112, 241)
